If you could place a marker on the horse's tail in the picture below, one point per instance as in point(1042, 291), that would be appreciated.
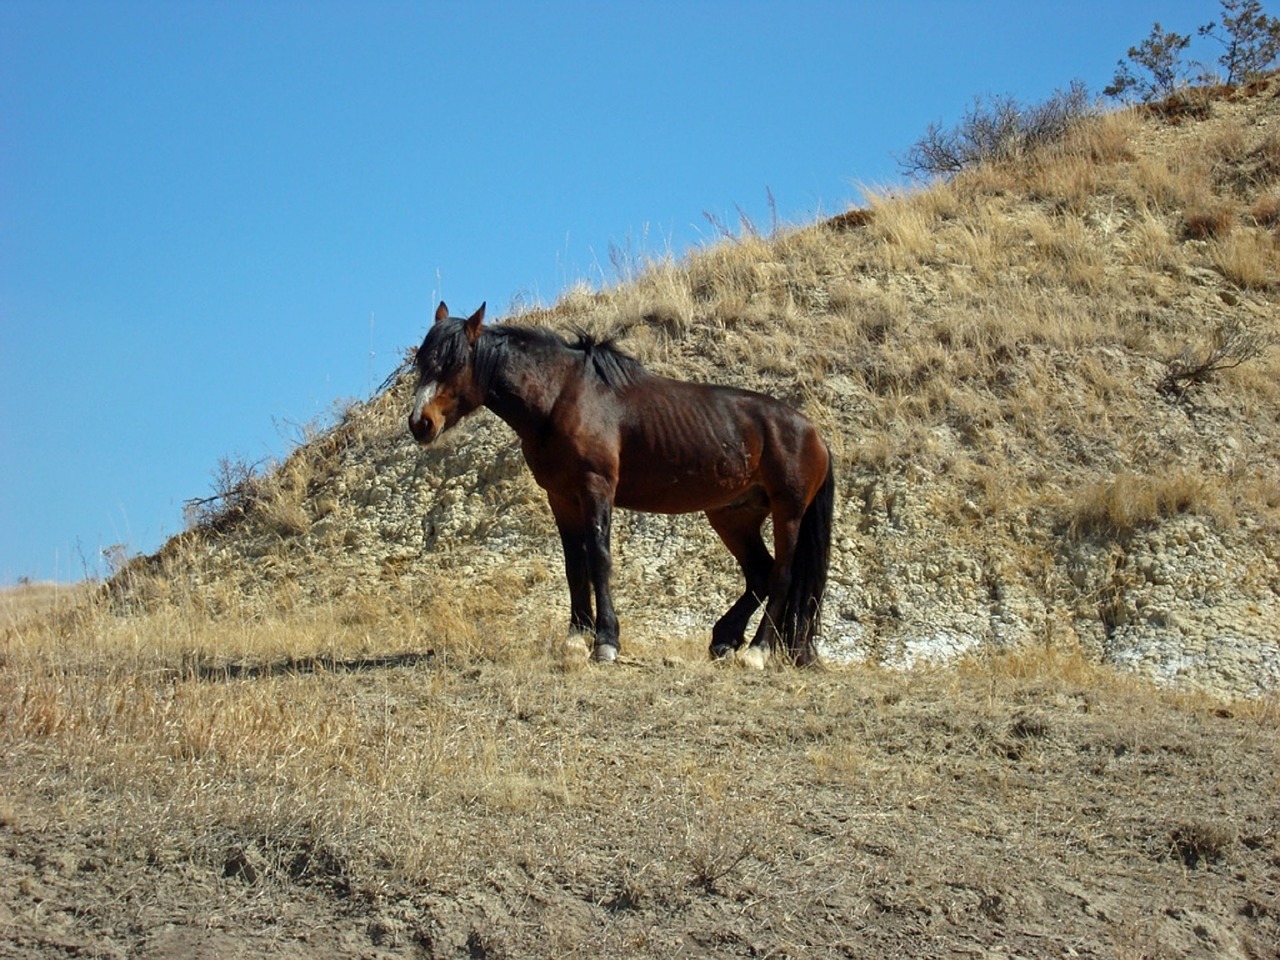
point(802, 614)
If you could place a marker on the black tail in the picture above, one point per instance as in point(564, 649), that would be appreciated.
point(802, 615)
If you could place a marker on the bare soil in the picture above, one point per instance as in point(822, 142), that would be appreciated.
point(1024, 806)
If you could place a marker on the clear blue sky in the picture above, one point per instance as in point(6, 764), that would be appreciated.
point(219, 218)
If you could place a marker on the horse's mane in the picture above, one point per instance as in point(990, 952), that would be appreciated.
point(613, 365)
point(603, 358)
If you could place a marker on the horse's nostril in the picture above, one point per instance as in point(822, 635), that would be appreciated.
point(422, 428)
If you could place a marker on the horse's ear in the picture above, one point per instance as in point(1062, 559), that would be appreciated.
point(474, 321)
point(442, 312)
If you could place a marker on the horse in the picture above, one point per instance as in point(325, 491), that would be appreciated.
point(600, 431)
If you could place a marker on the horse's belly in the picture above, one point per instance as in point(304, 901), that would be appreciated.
point(659, 487)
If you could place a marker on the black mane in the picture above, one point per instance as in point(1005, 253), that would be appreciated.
point(603, 358)
point(613, 365)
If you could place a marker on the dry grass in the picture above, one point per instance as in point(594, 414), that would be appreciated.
point(1152, 244)
point(1156, 185)
point(266, 727)
point(30, 602)
point(1116, 508)
point(1248, 258)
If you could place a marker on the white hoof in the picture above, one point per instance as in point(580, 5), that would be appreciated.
point(604, 653)
point(753, 657)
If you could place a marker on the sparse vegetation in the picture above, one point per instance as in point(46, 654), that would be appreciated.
point(1115, 509)
point(508, 804)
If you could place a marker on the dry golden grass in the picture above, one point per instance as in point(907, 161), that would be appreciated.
point(1248, 257)
point(1108, 139)
point(1154, 185)
point(1118, 507)
point(905, 228)
point(265, 726)
point(21, 604)
point(633, 792)
point(1152, 244)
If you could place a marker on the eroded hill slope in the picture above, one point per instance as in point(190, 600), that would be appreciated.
point(1004, 366)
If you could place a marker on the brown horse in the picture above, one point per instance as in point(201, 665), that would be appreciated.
point(599, 431)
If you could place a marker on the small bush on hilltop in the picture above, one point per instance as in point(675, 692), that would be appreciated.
point(995, 130)
point(1159, 58)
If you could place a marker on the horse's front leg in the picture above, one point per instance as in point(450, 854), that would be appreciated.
point(598, 502)
point(573, 538)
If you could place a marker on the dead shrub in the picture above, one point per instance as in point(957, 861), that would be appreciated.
point(1231, 344)
point(850, 219)
point(1265, 211)
point(997, 130)
point(1201, 841)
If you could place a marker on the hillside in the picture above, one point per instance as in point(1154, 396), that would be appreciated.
point(985, 357)
point(338, 717)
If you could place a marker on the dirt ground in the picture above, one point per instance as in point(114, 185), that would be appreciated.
point(1014, 807)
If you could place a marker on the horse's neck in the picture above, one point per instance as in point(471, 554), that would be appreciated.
point(525, 388)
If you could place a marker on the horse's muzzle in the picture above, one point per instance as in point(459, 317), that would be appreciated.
point(424, 429)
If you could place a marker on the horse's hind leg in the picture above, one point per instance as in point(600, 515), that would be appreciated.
point(786, 532)
point(739, 529)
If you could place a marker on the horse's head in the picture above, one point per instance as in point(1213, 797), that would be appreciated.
point(447, 390)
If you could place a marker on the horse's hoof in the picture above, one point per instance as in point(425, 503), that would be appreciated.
point(753, 657)
point(604, 653)
point(575, 647)
point(721, 652)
